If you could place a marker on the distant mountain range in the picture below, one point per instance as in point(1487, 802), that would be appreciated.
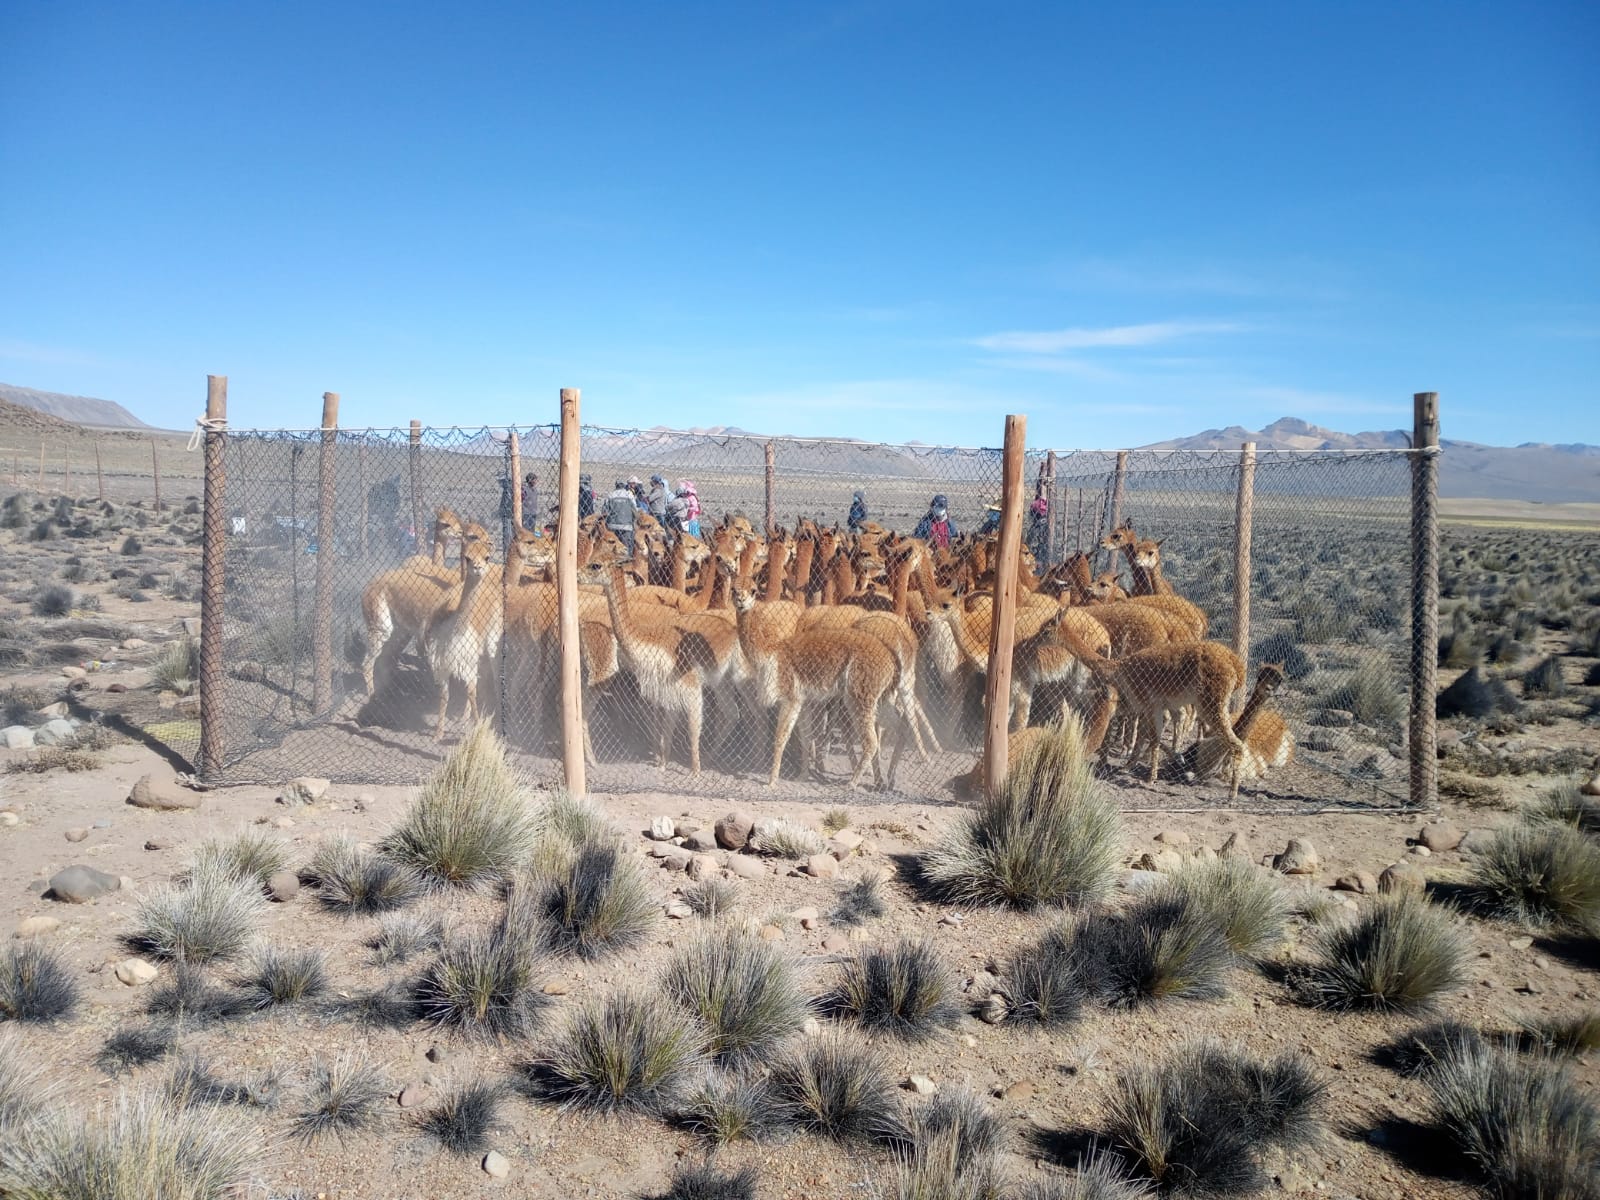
point(80, 410)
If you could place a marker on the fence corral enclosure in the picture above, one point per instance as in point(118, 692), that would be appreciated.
point(839, 636)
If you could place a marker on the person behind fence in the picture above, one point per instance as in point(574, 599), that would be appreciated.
point(620, 510)
point(991, 520)
point(1038, 536)
point(658, 497)
point(937, 527)
point(641, 502)
point(530, 504)
point(691, 507)
point(858, 512)
point(585, 497)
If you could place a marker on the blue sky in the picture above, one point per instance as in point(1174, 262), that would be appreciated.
point(885, 219)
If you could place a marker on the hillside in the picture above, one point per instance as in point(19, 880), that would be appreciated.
point(80, 410)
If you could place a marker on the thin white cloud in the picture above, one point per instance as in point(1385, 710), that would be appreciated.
point(1055, 341)
point(1058, 365)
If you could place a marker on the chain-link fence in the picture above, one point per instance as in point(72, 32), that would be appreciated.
point(713, 644)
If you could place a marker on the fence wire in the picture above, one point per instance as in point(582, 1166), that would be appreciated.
point(708, 639)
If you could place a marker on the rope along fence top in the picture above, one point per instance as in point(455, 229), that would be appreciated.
point(812, 610)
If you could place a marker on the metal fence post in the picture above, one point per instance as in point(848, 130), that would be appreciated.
point(1003, 622)
point(772, 514)
point(567, 596)
point(415, 470)
point(1243, 516)
point(322, 603)
point(213, 558)
point(1423, 748)
point(1053, 516)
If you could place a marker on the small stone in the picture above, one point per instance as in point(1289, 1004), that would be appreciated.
point(676, 860)
point(702, 866)
point(1299, 857)
point(771, 933)
point(807, 916)
point(158, 843)
point(283, 823)
point(822, 866)
point(678, 910)
point(921, 1085)
point(1173, 837)
point(412, 1095)
point(1161, 860)
point(1022, 1089)
point(556, 987)
point(79, 884)
point(76, 835)
point(133, 643)
point(847, 840)
point(811, 1027)
point(968, 1040)
point(1418, 851)
point(30, 927)
point(1532, 986)
point(307, 789)
point(73, 673)
point(745, 867)
point(101, 825)
point(835, 943)
point(495, 1165)
point(17, 737)
point(733, 831)
point(162, 796)
point(437, 1053)
point(1520, 943)
point(1440, 838)
point(703, 841)
point(54, 732)
point(135, 972)
point(687, 826)
point(1401, 877)
point(58, 709)
point(1235, 846)
point(283, 886)
point(1363, 883)
point(994, 1009)
point(663, 829)
point(1140, 881)
point(1592, 788)
point(9, 818)
point(953, 919)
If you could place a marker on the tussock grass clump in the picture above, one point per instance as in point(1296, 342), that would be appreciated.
point(35, 984)
point(785, 839)
point(285, 977)
point(1541, 874)
point(141, 1145)
point(598, 903)
point(71, 759)
point(1524, 1123)
point(54, 601)
point(355, 881)
point(473, 820)
point(189, 997)
point(1400, 954)
point(1050, 837)
point(836, 819)
point(977, 1130)
point(711, 898)
point(135, 1046)
point(837, 1087)
point(176, 666)
point(859, 901)
point(1545, 679)
point(1416, 1051)
point(1099, 1176)
point(208, 917)
point(742, 989)
point(193, 1084)
point(705, 1181)
point(1162, 948)
point(403, 936)
point(1563, 1035)
point(26, 1086)
point(463, 1121)
point(250, 854)
point(904, 989)
point(1048, 982)
point(344, 1097)
point(623, 1052)
point(1245, 901)
point(938, 1169)
point(1567, 805)
point(1369, 692)
point(484, 983)
point(1199, 1122)
point(730, 1106)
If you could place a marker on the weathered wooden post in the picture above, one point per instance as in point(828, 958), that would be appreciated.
point(99, 475)
point(322, 602)
point(415, 468)
point(772, 475)
point(1423, 748)
point(1114, 513)
point(213, 557)
point(567, 596)
point(514, 469)
point(66, 471)
point(1244, 510)
point(1053, 515)
point(1003, 624)
point(155, 469)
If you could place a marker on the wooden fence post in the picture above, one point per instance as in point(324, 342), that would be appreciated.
point(99, 475)
point(1053, 515)
point(213, 558)
point(155, 467)
point(1114, 514)
point(567, 596)
point(1423, 748)
point(514, 455)
point(361, 488)
point(772, 472)
point(1243, 515)
point(1003, 623)
point(415, 468)
point(327, 555)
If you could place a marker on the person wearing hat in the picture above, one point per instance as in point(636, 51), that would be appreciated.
point(937, 528)
point(991, 520)
point(620, 508)
point(585, 497)
point(531, 516)
point(658, 497)
point(858, 511)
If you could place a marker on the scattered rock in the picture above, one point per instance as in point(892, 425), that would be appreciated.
point(135, 972)
point(1477, 840)
point(733, 831)
point(676, 860)
point(1532, 986)
point(663, 829)
point(76, 835)
point(495, 1165)
point(845, 842)
point(30, 927)
point(437, 1053)
point(953, 919)
point(1520, 943)
point(994, 1009)
point(54, 732)
point(808, 917)
point(1161, 860)
point(1419, 851)
point(745, 867)
point(921, 1085)
point(1299, 857)
point(412, 1095)
point(1363, 883)
point(283, 886)
point(1140, 881)
point(1022, 1089)
point(703, 866)
point(679, 911)
point(58, 709)
point(836, 943)
point(1592, 788)
point(162, 795)
point(116, 689)
point(9, 818)
point(1401, 877)
point(1173, 837)
point(307, 789)
point(17, 737)
point(133, 643)
point(703, 841)
point(73, 673)
point(1440, 838)
point(1236, 847)
point(822, 866)
point(556, 987)
point(688, 827)
point(80, 884)
point(283, 823)
point(770, 933)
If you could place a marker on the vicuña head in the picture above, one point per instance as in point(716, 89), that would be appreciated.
point(1121, 538)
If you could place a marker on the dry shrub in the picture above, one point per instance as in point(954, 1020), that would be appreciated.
point(27, 1085)
point(1400, 954)
point(706, 1181)
point(731, 1106)
point(904, 989)
point(1161, 948)
point(627, 1051)
point(35, 985)
point(597, 903)
point(1049, 982)
point(1541, 873)
point(356, 881)
point(345, 1097)
point(209, 916)
point(838, 1088)
point(1245, 901)
point(744, 991)
point(462, 1122)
